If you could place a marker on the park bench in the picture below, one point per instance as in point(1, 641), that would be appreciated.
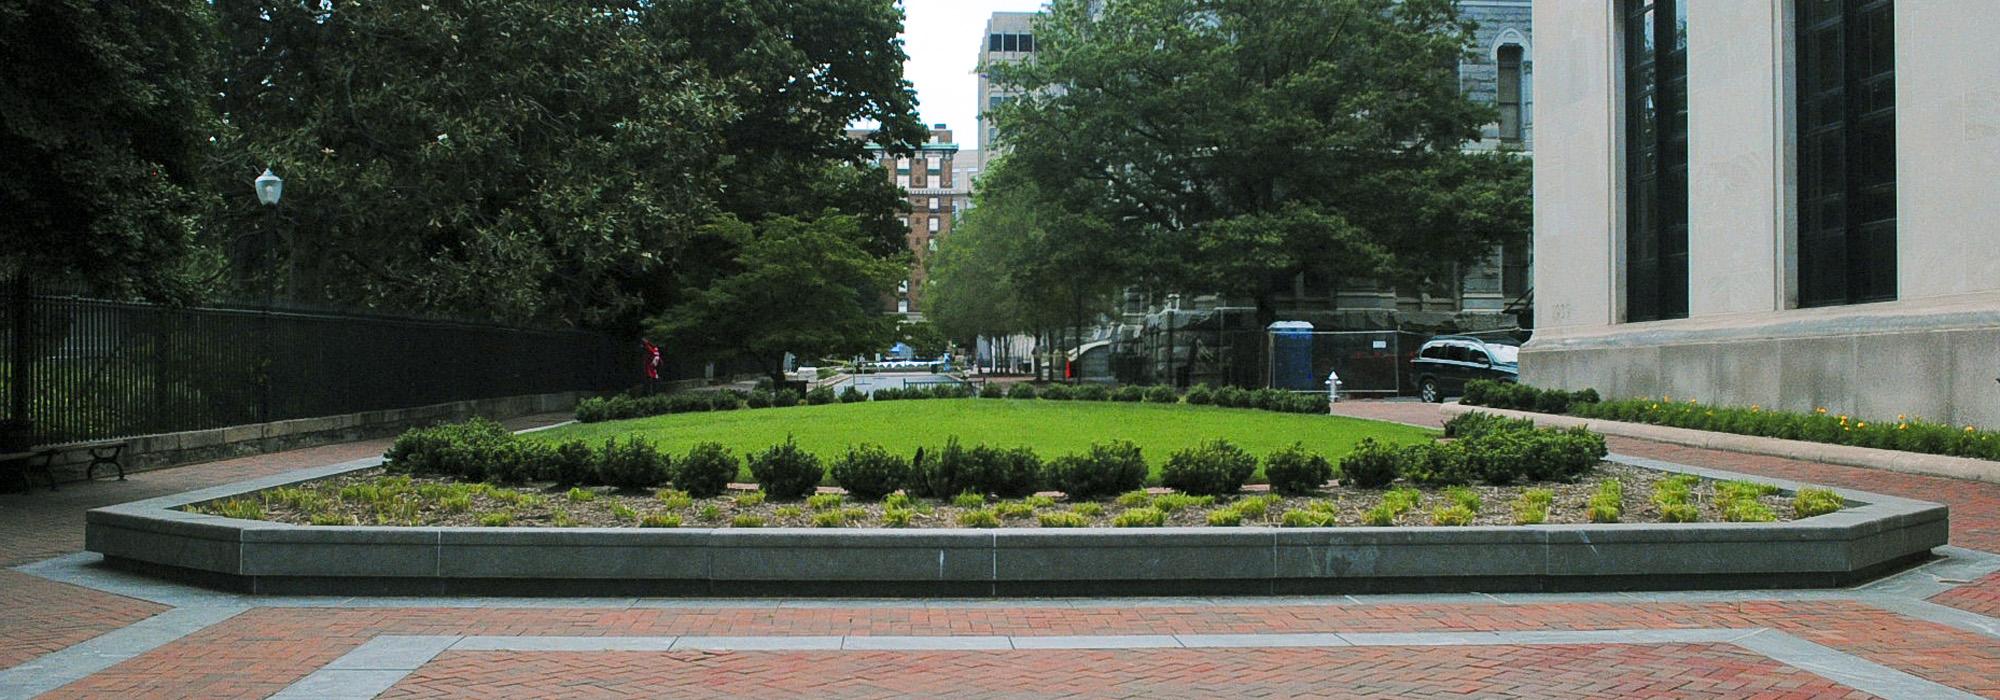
point(102, 454)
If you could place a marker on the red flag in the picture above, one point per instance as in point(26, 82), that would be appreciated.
point(652, 359)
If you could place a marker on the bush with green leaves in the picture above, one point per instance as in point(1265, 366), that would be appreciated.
point(1201, 395)
point(1214, 467)
point(1472, 424)
point(1438, 464)
point(942, 472)
point(1106, 469)
point(1370, 465)
point(1092, 392)
point(786, 398)
point(758, 398)
point(632, 464)
point(785, 471)
point(1005, 472)
point(821, 396)
point(571, 463)
point(1161, 394)
point(1452, 516)
point(1129, 394)
point(1295, 470)
point(1058, 392)
point(1022, 390)
point(852, 395)
point(1063, 519)
point(1232, 397)
point(869, 472)
point(467, 450)
point(1140, 517)
point(981, 518)
point(991, 391)
point(706, 470)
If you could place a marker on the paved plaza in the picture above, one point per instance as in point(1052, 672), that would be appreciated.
point(72, 629)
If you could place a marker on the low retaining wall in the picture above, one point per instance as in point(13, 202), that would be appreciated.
point(1876, 535)
point(149, 452)
point(1846, 455)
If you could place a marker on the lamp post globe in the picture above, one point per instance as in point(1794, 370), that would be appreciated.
point(270, 188)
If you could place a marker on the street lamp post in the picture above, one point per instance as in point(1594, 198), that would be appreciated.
point(270, 188)
point(1173, 309)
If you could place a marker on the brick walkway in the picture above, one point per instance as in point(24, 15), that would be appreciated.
point(263, 650)
point(1662, 671)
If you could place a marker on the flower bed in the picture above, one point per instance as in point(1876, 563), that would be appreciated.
point(1904, 433)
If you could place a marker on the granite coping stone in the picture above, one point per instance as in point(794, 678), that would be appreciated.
point(1874, 531)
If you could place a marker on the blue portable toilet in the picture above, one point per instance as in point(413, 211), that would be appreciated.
point(1292, 356)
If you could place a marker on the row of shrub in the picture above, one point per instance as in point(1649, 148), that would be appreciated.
point(1485, 451)
point(592, 410)
point(1904, 433)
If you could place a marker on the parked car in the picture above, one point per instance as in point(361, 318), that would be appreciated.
point(1445, 363)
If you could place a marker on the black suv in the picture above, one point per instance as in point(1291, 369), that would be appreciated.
point(1445, 363)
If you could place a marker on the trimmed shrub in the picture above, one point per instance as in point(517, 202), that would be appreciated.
point(571, 463)
point(1232, 397)
point(1472, 424)
point(1106, 469)
point(1268, 399)
point(1162, 394)
point(592, 409)
point(1058, 392)
point(943, 472)
point(633, 464)
point(852, 395)
point(1128, 394)
point(1201, 395)
point(869, 472)
point(1371, 465)
point(725, 400)
point(1295, 470)
point(786, 399)
point(706, 470)
point(464, 450)
point(821, 396)
point(1092, 392)
point(1209, 469)
point(760, 398)
point(785, 471)
point(1022, 390)
point(1007, 473)
point(887, 394)
point(991, 391)
point(1437, 464)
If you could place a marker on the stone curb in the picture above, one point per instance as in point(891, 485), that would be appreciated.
point(1876, 535)
point(1845, 455)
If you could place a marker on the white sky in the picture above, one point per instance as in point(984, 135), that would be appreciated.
point(943, 38)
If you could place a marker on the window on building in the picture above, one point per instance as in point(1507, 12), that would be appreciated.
point(1847, 151)
point(903, 164)
point(903, 181)
point(902, 306)
point(933, 244)
point(1509, 97)
point(934, 224)
point(934, 163)
point(1010, 42)
point(994, 42)
point(1656, 163)
point(934, 204)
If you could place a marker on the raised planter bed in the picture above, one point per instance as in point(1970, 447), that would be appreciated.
point(1874, 535)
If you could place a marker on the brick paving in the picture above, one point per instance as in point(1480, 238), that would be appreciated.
point(1621, 671)
point(263, 650)
point(1981, 596)
point(38, 616)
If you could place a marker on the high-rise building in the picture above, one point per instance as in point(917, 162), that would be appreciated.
point(1010, 37)
point(935, 194)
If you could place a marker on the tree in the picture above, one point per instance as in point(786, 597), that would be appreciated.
point(1240, 143)
point(810, 288)
point(103, 107)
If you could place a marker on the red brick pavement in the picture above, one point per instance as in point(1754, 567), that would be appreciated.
point(1619, 671)
point(263, 650)
point(1975, 506)
point(1981, 596)
point(38, 616)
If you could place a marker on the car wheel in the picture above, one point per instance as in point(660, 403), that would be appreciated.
point(1430, 392)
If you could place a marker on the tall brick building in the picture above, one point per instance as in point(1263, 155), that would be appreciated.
point(935, 195)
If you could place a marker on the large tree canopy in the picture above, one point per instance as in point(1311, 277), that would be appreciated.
point(1238, 143)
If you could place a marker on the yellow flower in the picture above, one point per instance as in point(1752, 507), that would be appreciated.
point(1820, 411)
point(1968, 428)
point(1904, 426)
point(1755, 408)
point(1863, 424)
point(1900, 416)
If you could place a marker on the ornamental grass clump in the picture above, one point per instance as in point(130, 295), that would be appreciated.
point(578, 495)
point(1014, 511)
point(1212, 468)
point(1453, 515)
point(675, 500)
point(1254, 507)
point(1809, 502)
point(1226, 517)
point(660, 520)
point(980, 518)
point(824, 501)
point(1464, 498)
point(1140, 517)
point(1608, 504)
point(1171, 502)
point(897, 517)
point(749, 499)
point(1306, 518)
point(969, 500)
point(746, 520)
point(1063, 519)
point(240, 509)
point(785, 471)
point(1296, 471)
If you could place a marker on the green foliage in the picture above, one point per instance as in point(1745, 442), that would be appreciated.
point(1092, 392)
point(1089, 510)
point(577, 495)
point(706, 470)
point(500, 519)
point(784, 471)
point(991, 391)
point(1472, 424)
point(1021, 390)
point(471, 450)
point(758, 398)
point(1140, 517)
point(1134, 499)
point(1171, 502)
point(969, 500)
point(1744, 511)
point(1114, 467)
point(1254, 507)
point(1058, 392)
point(746, 520)
point(869, 472)
point(821, 396)
point(1532, 507)
point(572, 462)
point(749, 500)
point(1128, 394)
point(675, 500)
point(1371, 465)
point(1232, 397)
point(633, 464)
point(943, 472)
point(624, 512)
point(1904, 433)
point(1014, 511)
point(660, 520)
point(1679, 513)
point(852, 395)
point(710, 513)
point(1007, 473)
point(1200, 395)
point(1455, 515)
point(1608, 504)
point(825, 501)
point(1440, 464)
point(1063, 519)
point(1040, 501)
point(1809, 502)
point(980, 518)
point(240, 509)
point(1213, 468)
point(1465, 498)
point(897, 517)
point(1162, 394)
point(835, 518)
point(1307, 518)
point(1226, 517)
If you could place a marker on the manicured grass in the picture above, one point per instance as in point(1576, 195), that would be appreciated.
point(1052, 428)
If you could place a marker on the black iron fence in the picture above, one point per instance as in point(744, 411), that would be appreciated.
point(86, 369)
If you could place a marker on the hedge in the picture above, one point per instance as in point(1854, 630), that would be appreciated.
point(622, 407)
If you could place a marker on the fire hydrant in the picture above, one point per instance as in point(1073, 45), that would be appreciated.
point(1332, 389)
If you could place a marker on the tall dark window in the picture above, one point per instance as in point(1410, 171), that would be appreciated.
point(1509, 97)
point(1847, 151)
point(1656, 161)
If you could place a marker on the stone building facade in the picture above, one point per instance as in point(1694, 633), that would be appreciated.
point(1773, 202)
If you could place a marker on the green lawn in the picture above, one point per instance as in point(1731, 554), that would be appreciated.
point(1052, 428)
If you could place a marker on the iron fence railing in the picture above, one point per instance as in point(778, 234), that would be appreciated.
point(85, 369)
